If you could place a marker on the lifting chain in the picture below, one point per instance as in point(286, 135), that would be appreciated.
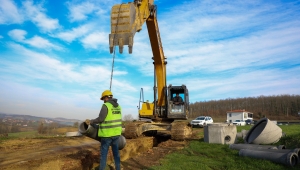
point(112, 68)
point(114, 54)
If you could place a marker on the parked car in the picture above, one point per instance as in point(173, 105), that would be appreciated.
point(202, 121)
point(249, 122)
point(239, 122)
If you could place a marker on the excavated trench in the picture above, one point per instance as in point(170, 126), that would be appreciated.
point(84, 154)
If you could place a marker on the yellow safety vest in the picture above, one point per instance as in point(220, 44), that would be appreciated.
point(112, 125)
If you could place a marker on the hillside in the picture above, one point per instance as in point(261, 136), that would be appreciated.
point(24, 118)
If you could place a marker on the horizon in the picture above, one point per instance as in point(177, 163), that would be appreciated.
point(55, 60)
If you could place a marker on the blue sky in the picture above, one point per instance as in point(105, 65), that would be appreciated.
point(55, 60)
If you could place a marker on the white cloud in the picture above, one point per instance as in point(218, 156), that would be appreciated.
point(34, 65)
point(79, 12)
point(36, 14)
point(17, 34)
point(75, 33)
point(94, 40)
point(36, 41)
point(9, 13)
point(40, 42)
point(1, 36)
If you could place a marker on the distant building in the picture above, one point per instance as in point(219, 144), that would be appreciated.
point(238, 115)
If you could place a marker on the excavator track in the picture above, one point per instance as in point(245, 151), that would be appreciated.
point(132, 130)
point(181, 131)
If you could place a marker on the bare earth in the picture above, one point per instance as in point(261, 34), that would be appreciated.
point(82, 153)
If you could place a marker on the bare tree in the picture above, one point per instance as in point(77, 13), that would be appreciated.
point(128, 117)
point(41, 128)
point(76, 124)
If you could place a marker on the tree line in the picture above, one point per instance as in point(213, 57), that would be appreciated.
point(8, 128)
point(277, 107)
point(41, 127)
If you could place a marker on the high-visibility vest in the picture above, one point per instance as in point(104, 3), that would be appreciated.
point(112, 125)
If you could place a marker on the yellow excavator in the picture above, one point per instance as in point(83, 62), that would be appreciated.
point(126, 20)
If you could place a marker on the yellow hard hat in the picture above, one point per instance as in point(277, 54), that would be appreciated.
point(106, 93)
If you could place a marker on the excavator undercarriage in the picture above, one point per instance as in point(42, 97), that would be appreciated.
point(178, 130)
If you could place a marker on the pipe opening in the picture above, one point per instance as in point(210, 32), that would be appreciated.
point(264, 132)
point(293, 160)
point(255, 132)
point(227, 138)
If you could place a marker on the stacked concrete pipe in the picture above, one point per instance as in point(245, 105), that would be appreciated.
point(92, 132)
point(263, 132)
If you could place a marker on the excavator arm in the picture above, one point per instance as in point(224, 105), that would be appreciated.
point(126, 20)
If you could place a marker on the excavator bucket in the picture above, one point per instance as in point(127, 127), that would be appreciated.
point(123, 26)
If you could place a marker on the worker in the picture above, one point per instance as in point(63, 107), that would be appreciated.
point(110, 128)
point(177, 100)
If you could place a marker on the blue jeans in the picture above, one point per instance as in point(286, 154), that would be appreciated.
point(105, 143)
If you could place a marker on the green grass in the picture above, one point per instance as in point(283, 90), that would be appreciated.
point(27, 134)
point(292, 136)
point(200, 155)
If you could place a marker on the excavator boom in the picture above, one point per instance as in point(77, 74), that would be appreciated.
point(126, 20)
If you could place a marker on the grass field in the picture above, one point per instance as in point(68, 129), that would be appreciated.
point(199, 155)
point(59, 132)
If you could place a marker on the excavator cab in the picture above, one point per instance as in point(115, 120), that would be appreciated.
point(178, 110)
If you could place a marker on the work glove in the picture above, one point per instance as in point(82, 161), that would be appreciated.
point(88, 121)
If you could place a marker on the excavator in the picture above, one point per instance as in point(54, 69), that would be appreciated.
point(164, 115)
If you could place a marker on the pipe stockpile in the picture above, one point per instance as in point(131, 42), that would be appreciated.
point(290, 158)
point(92, 132)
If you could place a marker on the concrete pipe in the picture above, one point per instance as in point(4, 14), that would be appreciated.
point(296, 151)
point(263, 132)
point(122, 142)
point(254, 146)
point(89, 130)
point(92, 132)
point(290, 158)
